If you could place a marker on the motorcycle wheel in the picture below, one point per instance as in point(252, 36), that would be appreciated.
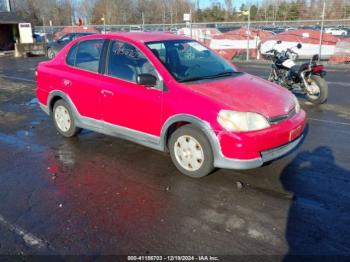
point(321, 96)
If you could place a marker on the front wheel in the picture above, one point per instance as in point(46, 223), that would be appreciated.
point(191, 152)
point(317, 91)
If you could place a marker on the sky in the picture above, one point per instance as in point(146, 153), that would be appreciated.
point(236, 3)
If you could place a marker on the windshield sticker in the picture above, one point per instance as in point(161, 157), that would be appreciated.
point(197, 46)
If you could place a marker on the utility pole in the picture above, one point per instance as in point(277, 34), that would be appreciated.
point(171, 17)
point(43, 18)
point(143, 21)
point(321, 33)
point(248, 33)
point(72, 16)
point(191, 23)
point(9, 6)
point(164, 10)
point(104, 23)
point(51, 29)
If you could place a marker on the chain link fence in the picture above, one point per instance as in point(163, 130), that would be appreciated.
point(240, 43)
point(221, 26)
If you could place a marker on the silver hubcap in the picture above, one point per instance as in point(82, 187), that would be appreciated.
point(189, 153)
point(62, 118)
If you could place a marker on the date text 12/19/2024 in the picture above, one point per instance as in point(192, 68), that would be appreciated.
point(173, 258)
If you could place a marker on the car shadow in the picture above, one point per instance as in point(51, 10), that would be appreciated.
point(318, 219)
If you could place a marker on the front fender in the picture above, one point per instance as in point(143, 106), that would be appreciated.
point(201, 124)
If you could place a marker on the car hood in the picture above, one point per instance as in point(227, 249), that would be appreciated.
point(247, 93)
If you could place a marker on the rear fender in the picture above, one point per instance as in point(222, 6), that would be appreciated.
point(319, 70)
point(66, 98)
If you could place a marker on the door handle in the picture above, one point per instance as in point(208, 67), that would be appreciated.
point(105, 92)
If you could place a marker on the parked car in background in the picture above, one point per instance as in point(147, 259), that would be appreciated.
point(312, 27)
point(173, 30)
point(273, 29)
point(55, 46)
point(172, 94)
point(135, 28)
point(290, 28)
point(336, 31)
point(347, 29)
point(39, 37)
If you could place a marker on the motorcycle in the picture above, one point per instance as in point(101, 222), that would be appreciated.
point(306, 79)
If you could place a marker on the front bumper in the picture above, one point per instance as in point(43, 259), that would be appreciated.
point(253, 149)
point(266, 156)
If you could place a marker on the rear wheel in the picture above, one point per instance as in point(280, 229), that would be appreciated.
point(64, 120)
point(191, 152)
point(317, 91)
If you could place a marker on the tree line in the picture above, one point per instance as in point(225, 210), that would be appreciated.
point(66, 12)
point(274, 10)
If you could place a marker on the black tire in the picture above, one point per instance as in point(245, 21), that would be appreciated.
point(50, 53)
point(73, 129)
point(323, 86)
point(206, 164)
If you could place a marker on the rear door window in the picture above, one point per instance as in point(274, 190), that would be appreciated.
point(126, 61)
point(89, 54)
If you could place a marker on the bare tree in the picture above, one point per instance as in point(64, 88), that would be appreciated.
point(228, 4)
point(40, 12)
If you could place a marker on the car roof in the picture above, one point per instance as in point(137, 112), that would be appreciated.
point(79, 33)
point(85, 33)
point(140, 36)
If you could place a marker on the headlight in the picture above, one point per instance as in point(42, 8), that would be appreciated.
point(241, 121)
point(297, 105)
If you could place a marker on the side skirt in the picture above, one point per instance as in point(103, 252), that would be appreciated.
point(120, 132)
point(103, 127)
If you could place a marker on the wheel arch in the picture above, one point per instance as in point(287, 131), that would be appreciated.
point(177, 121)
point(53, 101)
point(56, 95)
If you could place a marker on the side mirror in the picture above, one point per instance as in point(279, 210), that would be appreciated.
point(146, 80)
point(299, 45)
point(279, 42)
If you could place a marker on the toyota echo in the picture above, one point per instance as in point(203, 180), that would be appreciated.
point(173, 94)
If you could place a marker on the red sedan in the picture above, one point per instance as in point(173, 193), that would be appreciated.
point(172, 94)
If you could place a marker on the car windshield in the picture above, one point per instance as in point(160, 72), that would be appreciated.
point(188, 60)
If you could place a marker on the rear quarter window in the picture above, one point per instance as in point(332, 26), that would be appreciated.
point(71, 55)
point(88, 55)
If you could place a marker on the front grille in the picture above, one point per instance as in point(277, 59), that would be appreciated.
point(277, 119)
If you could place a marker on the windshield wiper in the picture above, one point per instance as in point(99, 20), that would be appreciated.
point(222, 74)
